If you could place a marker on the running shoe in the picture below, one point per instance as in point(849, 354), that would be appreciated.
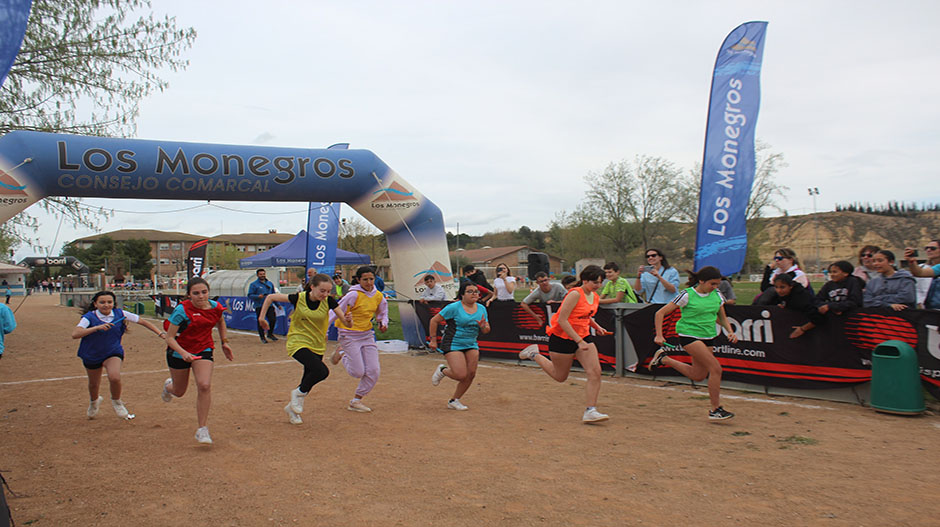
point(529, 352)
point(455, 404)
point(93, 407)
point(119, 408)
point(293, 416)
point(297, 400)
point(336, 356)
point(357, 406)
point(166, 395)
point(658, 357)
point(720, 414)
point(202, 435)
point(593, 416)
point(272, 338)
point(438, 374)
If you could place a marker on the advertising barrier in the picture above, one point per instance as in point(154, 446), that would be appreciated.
point(239, 315)
point(836, 354)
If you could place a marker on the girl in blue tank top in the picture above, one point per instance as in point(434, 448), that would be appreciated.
point(101, 328)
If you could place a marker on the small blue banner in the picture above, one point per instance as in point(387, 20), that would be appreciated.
point(323, 236)
point(728, 164)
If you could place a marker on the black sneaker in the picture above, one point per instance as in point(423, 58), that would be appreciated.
point(720, 414)
point(658, 357)
point(263, 340)
point(272, 338)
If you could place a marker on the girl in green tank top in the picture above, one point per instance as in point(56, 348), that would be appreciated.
point(702, 306)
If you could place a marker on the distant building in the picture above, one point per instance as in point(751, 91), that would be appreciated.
point(515, 256)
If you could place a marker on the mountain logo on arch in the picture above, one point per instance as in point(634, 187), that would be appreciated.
point(439, 270)
point(10, 186)
point(394, 196)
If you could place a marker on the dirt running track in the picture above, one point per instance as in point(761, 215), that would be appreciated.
point(519, 456)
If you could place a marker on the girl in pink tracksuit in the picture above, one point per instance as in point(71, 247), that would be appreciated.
point(359, 353)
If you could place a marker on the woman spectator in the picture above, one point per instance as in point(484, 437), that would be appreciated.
point(894, 288)
point(842, 292)
point(504, 283)
point(789, 294)
point(929, 270)
point(866, 270)
point(658, 281)
point(785, 261)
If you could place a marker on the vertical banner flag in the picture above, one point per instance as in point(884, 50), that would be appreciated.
point(322, 236)
point(196, 262)
point(728, 165)
point(14, 14)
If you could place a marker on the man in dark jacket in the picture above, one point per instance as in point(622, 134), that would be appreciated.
point(259, 289)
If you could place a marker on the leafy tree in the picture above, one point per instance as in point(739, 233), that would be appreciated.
point(361, 237)
point(83, 68)
point(116, 257)
point(630, 202)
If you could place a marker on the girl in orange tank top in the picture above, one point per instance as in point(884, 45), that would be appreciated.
point(570, 338)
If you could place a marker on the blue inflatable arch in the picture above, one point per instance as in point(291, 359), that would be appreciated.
point(35, 165)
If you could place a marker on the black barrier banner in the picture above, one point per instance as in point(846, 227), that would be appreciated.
point(834, 354)
point(512, 329)
point(196, 261)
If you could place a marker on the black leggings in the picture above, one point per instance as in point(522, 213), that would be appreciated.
point(270, 316)
point(314, 369)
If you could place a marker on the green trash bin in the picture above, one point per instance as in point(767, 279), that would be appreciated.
point(70, 302)
point(895, 379)
point(139, 308)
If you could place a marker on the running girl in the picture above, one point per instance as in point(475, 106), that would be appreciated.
point(466, 319)
point(306, 338)
point(357, 347)
point(190, 346)
point(702, 305)
point(101, 328)
point(570, 338)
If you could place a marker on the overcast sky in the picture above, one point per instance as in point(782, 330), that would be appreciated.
point(497, 110)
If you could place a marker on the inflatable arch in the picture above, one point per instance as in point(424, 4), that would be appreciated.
point(34, 165)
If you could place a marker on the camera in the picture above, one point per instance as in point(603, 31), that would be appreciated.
point(647, 268)
point(914, 254)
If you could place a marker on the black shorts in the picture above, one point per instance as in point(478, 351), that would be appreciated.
point(177, 363)
point(445, 352)
point(558, 344)
point(683, 341)
point(97, 365)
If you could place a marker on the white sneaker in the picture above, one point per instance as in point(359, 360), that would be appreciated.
point(119, 408)
point(357, 406)
point(297, 400)
point(457, 405)
point(202, 435)
point(93, 407)
point(166, 395)
point(529, 352)
point(292, 415)
point(593, 416)
point(438, 374)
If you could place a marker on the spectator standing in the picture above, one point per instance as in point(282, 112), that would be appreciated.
point(259, 289)
point(340, 286)
point(545, 291)
point(842, 292)
point(932, 270)
point(657, 280)
point(474, 275)
point(727, 291)
point(891, 288)
point(7, 325)
point(504, 285)
point(7, 291)
point(785, 261)
point(866, 270)
point(617, 289)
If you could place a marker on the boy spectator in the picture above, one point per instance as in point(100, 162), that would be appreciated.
point(432, 290)
point(545, 291)
point(617, 289)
